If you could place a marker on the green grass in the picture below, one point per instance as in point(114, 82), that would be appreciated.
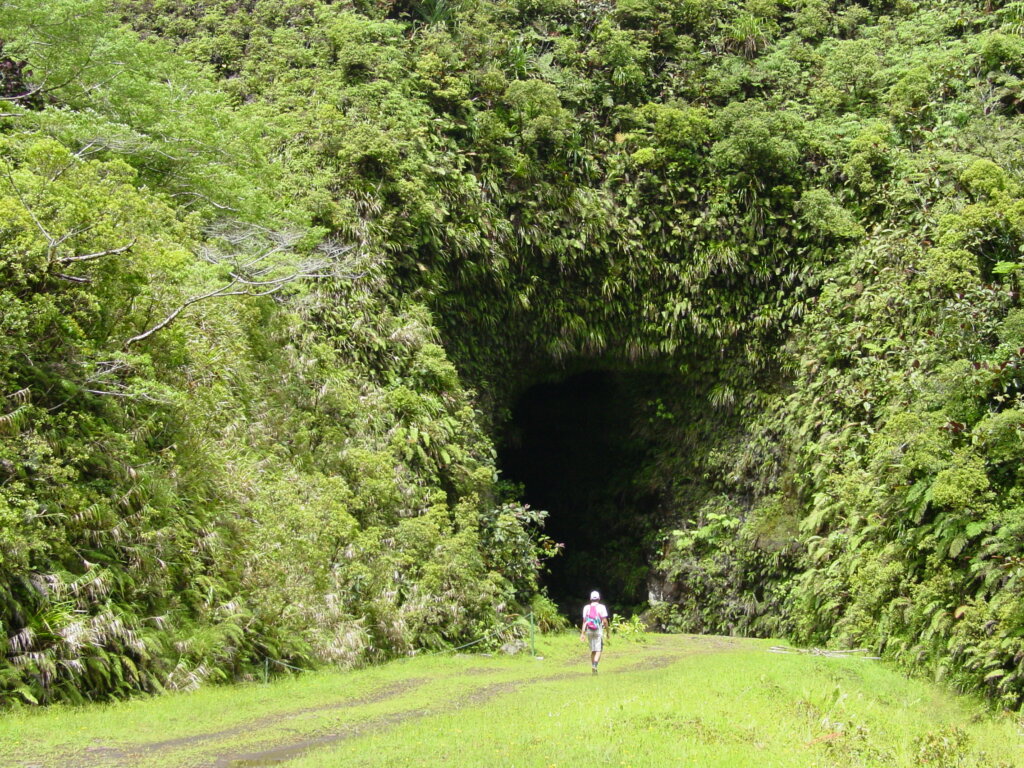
point(671, 701)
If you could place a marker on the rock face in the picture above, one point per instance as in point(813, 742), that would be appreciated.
point(661, 589)
point(514, 647)
point(16, 83)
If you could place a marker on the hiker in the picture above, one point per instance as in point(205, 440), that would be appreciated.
point(595, 622)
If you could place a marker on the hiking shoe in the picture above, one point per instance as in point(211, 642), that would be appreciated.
point(593, 669)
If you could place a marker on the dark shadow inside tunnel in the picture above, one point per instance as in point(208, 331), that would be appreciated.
point(573, 448)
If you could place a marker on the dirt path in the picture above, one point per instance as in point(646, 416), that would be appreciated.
point(92, 757)
point(660, 652)
point(663, 655)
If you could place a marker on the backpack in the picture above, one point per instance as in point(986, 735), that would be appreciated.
point(593, 620)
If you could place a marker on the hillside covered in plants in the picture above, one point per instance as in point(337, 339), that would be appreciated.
point(308, 307)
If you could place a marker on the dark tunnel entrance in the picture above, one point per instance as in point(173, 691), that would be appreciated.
point(573, 447)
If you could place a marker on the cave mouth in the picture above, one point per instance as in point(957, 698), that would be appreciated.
point(572, 446)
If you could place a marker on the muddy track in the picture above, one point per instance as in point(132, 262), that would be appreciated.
point(658, 654)
point(662, 655)
point(94, 757)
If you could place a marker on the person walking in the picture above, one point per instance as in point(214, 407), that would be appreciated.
point(595, 624)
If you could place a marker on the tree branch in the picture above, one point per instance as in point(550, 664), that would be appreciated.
point(26, 95)
point(97, 255)
point(222, 291)
point(197, 195)
point(242, 240)
point(277, 281)
point(17, 191)
point(125, 395)
point(72, 278)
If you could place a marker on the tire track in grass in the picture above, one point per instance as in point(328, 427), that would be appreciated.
point(286, 752)
point(381, 694)
point(660, 652)
point(110, 756)
point(657, 660)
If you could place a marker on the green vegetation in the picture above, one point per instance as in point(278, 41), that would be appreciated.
point(707, 701)
point(274, 275)
point(226, 439)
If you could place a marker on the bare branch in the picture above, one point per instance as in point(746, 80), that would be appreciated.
point(97, 255)
point(271, 292)
point(126, 395)
point(72, 233)
point(222, 291)
point(248, 251)
point(302, 274)
point(10, 180)
point(214, 203)
point(44, 87)
point(219, 293)
point(102, 83)
point(72, 278)
point(26, 95)
point(107, 368)
point(84, 151)
point(334, 249)
point(249, 246)
point(75, 158)
point(278, 281)
point(263, 257)
point(208, 255)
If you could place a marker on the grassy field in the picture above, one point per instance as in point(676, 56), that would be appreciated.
point(670, 701)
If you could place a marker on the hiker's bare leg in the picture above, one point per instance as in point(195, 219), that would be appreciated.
point(595, 657)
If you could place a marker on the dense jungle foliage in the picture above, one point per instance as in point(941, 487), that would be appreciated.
point(275, 272)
